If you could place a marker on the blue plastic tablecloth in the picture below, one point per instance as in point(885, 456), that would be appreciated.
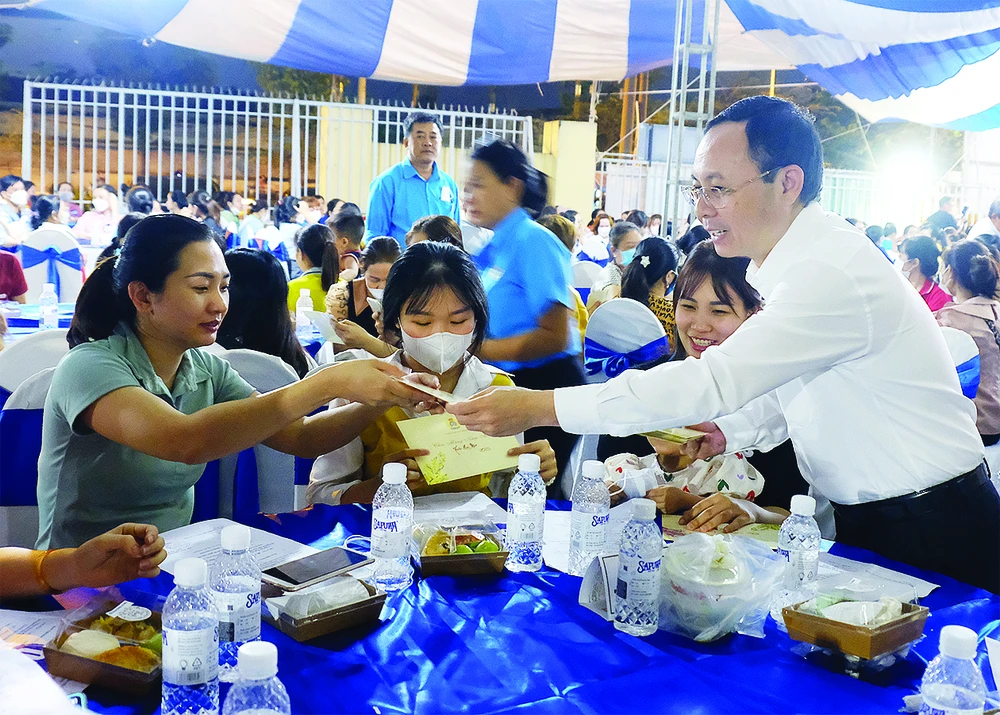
point(521, 643)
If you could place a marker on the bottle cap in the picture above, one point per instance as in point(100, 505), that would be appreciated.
point(529, 463)
point(304, 293)
point(48, 287)
point(191, 573)
point(958, 642)
point(257, 660)
point(236, 538)
point(394, 473)
point(643, 509)
point(803, 505)
point(592, 469)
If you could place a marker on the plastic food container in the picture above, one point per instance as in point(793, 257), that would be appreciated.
point(359, 613)
point(868, 642)
point(461, 550)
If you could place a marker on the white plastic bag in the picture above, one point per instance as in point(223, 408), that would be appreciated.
point(714, 585)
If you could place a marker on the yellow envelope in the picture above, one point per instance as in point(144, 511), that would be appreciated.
point(455, 452)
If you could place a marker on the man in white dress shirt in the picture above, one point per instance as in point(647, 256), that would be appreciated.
point(989, 224)
point(844, 358)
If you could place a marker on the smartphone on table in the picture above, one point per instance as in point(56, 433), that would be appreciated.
point(309, 570)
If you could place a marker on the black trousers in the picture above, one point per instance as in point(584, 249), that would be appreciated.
point(952, 528)
point(563, 372)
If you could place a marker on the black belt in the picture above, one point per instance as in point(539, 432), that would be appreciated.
point(990, 439)
point(918, 503)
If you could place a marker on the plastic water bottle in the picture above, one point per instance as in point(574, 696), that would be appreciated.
point(638, 589)
point(190, 644)
point(798, 543)
point(303, 326)
point(236, 588)
point(952, 683)
point(258, 690)
point(589, 523)
point(525, 515)
point(48, 306)
point(392, 528)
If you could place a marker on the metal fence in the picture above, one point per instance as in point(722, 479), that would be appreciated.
point(259, 146)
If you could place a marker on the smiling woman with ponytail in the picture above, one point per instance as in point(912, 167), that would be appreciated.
point(136, 409)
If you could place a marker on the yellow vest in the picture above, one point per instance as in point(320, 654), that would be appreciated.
point(382, 438)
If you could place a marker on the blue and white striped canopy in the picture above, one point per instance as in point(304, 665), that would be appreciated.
point(929, 61)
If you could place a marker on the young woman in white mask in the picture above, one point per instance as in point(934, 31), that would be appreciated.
point(14, 211)
point(354, 304)
point(100, 223)
point(594, 243)
point(435, 310)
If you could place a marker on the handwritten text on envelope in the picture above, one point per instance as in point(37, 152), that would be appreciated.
point(455, 452)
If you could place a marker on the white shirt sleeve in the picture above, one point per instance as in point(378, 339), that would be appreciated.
point(800, 331)
point(760, 425)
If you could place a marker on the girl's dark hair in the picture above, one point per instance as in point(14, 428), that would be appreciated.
point(726, 274)
point(974, 267)
point(258, 206)
point(383, 249)
point(139, 199)
point(258, 317)
point(693, 236)
point(124, 224)
point(638, 278)
point(224, 198)
point(205, 205)
point(42, 209)
point(286, 210)
point(925, 250)
point(438, 228)
point(107, 187)
point(421, 269)
point(179, 198)
point(508, 162)
point(317, 244)
point(150, 253)
point(7, 181)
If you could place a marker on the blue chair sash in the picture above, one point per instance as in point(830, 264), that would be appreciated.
point(598, 358)
point(31, 257)
point(968, 377)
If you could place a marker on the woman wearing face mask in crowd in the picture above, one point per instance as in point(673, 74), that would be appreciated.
point(436, 307)
point(918, 260)
point(649, 279)
point(624, 239)
point(69, 211)
point(348, 303)
point(100, 223)
point(594, 244)
point(14, 214)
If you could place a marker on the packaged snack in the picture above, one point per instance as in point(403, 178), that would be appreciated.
point(458, 550)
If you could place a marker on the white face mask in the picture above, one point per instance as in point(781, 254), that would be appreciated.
point(100, 205)
point(906, 273)
point(438, 352)
point(603, 231)
point(377, 293)
point(19, 197)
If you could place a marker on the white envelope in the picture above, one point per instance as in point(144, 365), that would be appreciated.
point(324, 324)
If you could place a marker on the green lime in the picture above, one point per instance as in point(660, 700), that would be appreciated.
point(487, 546)
point(462, 549)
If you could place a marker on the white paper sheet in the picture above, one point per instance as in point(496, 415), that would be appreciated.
point(27, 632)
point(323, 324)
point(202, 540)
point(556, 537)
point(837, 571)
point(456, 507)
point(25, 689)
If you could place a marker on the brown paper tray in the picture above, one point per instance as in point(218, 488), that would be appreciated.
point(462, 564)
point(94, 672)
point(860, 641)
point(354, 614)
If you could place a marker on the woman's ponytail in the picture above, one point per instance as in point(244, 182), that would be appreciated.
point(98, 309)
point(330, 264)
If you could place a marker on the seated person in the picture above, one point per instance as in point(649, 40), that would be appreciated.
point(649, 279)
point(354, 319)
point(436, 228)
point(712, 300)
point(348, 231)
point(316, 256)
point(136, 409)
point(126, 552)
point(13, 285)
point(593, 245)
point(258, 317)
point(918, 260)
point(624, 238)
point(97, 226)
point(436, 307)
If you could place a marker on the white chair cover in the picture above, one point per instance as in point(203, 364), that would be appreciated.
point(621, 326)
point(19, 524)
point(275, 470)
point(585, 273)
point(70, 279)
point(30, 355)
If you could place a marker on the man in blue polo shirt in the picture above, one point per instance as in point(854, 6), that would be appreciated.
point(415, 187)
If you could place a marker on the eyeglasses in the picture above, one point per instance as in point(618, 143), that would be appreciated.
point(718, 196)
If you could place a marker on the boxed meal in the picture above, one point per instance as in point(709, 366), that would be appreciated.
point(866, 630)
point(333, 605)
point(459, 550)
point(111, 641)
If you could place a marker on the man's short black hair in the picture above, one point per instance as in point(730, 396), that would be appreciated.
point(421, 118)
point(780, 134)
point(351, 226)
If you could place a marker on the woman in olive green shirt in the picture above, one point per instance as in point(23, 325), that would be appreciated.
point(136, 410)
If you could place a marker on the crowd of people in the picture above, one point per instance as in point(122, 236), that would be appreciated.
point(804, 347)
